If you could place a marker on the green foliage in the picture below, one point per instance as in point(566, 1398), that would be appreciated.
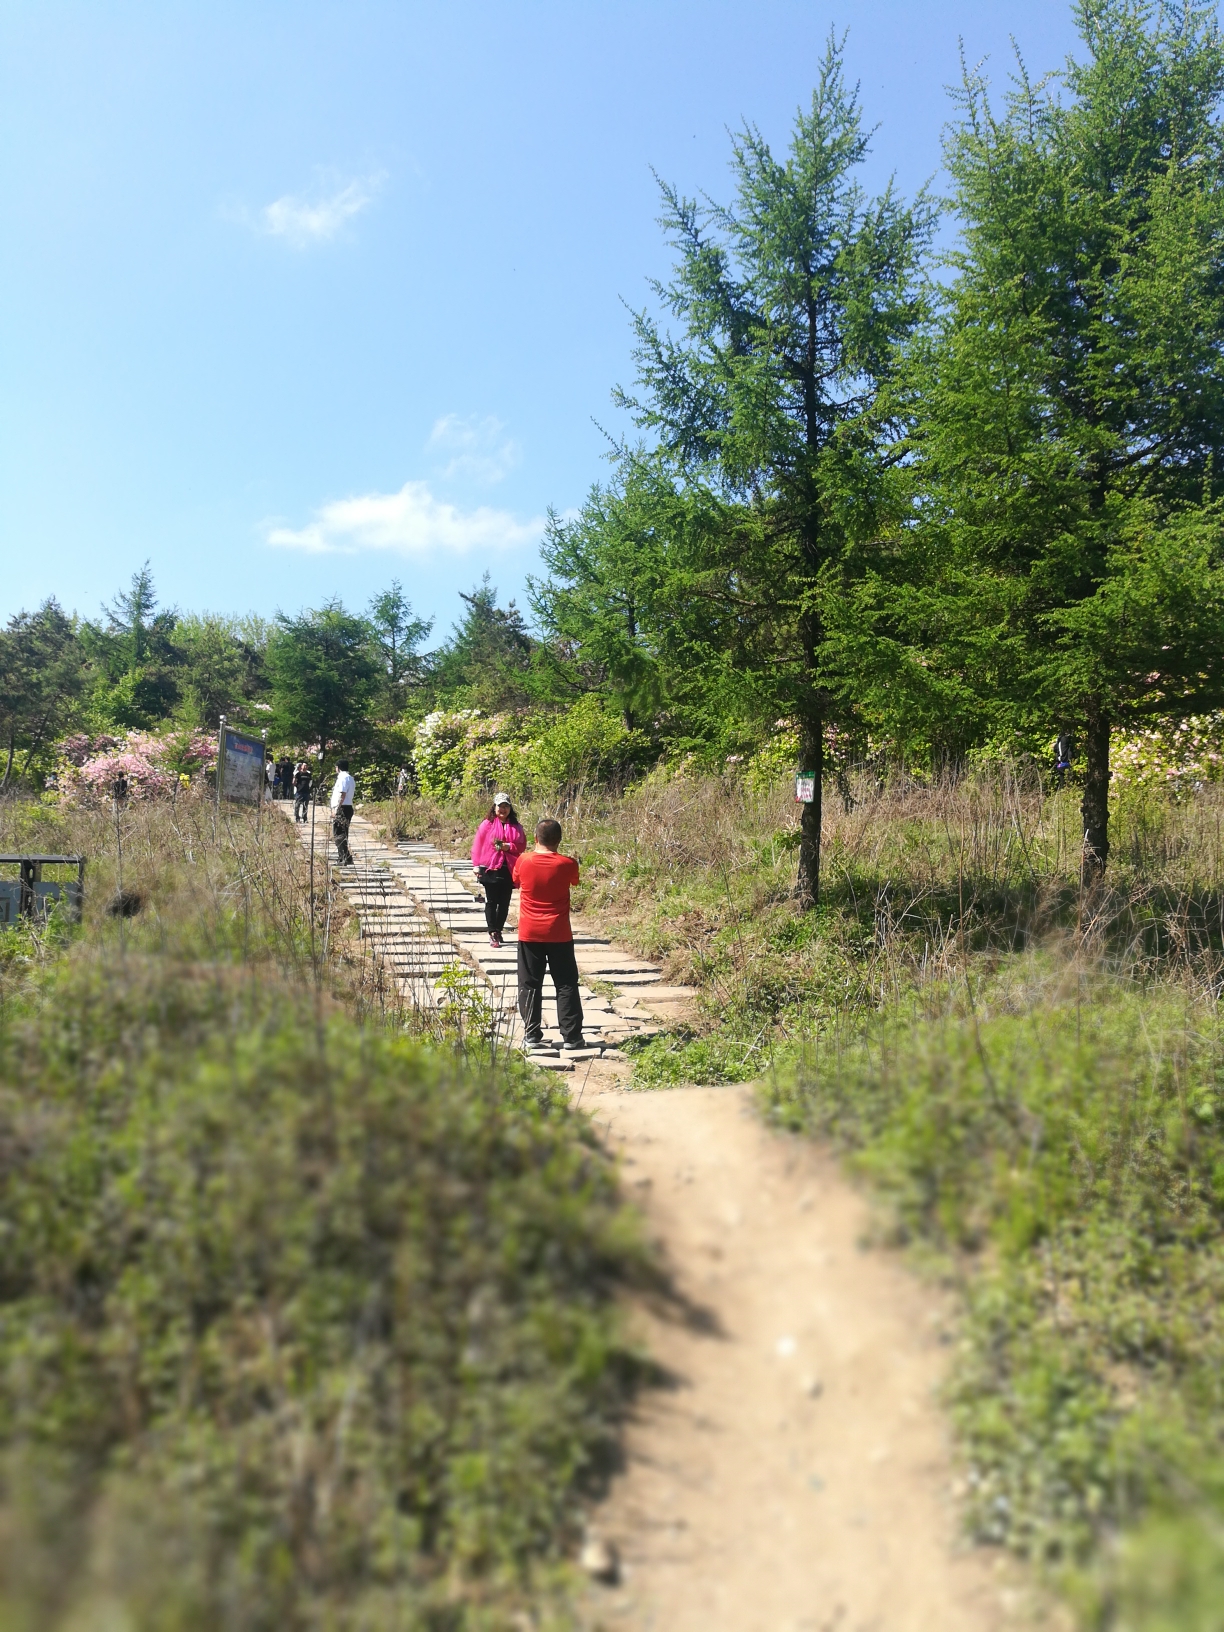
point(486, 664)
point(587, 743)
point(663, 596)
point(325, 675)
point(442, 747)
point(1179, 756)
point(1061, 567)
point(40, 681)
point(676, 1059)
point(776, 396)
point(1074, 1143)
point(545, 754)
point(606, 596)
point(398, 635)
point(223, 669)
point(300, 1325)
point(1168, 1576)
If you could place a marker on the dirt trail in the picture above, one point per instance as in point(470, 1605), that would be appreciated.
point(798, 1475)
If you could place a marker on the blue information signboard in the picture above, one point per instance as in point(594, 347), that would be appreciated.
point(240, 766)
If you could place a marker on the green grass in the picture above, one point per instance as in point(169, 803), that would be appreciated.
point(303, 1322)
point(1062, 1148)
point(1031, 1083)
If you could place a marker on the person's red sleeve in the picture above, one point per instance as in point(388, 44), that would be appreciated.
point(574, 876)
point(514, 869)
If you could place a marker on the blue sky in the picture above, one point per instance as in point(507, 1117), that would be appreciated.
point(298, 298)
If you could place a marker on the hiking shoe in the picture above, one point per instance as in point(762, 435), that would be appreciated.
point(570, 1048)
point(494, 940)
point(534, 1042)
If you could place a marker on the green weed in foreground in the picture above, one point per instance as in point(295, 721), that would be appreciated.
point(1070, 1158)
point(300, 1325)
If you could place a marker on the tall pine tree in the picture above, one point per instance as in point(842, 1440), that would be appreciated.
point(790, 305)
point(1064, 568)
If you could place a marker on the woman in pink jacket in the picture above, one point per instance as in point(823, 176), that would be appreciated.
point(499, 841)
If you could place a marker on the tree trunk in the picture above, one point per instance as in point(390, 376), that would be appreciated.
point(1095, 805)
point(811, 760)
point(8, 769)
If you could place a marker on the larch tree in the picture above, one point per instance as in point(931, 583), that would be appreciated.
point(791, 305)
point(1072, 400)
point(325, 670)
point(399, 636)
point(41, 678)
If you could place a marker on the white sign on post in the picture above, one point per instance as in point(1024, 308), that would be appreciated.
point(805, 787)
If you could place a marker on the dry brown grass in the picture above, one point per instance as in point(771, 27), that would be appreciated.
point(922, 880)
point(206, 885)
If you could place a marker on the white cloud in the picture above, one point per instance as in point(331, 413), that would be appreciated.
point(411, 522)
point(302, 219)
point(474, 448)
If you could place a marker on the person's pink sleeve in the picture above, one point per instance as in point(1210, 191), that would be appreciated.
point(518, 842)
point(480, 849)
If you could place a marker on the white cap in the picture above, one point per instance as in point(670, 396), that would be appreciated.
point(503, 799)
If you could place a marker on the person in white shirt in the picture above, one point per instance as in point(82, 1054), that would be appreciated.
point(342, 812)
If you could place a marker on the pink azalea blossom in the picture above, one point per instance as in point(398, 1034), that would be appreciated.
point(151, 763)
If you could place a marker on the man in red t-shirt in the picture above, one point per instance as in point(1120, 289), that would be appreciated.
point(545, 939)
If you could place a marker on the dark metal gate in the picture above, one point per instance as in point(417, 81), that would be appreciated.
point(30, 895)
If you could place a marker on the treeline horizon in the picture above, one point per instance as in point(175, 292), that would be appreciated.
point(924, 504)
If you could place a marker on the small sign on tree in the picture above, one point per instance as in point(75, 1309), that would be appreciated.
point(805, 787)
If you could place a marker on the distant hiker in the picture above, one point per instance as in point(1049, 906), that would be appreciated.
point(545, 939)
point(499, 842)
point(303, 781)
point(269, 780)
point(286, 778)
point(342, 812)
point(1063, 749)
point(119, 788)
point(276, 780)
point(401, 783)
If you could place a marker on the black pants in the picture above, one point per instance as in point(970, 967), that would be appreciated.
point(301, 806)
point(341, 817)
point(558, 957)
point(498, 888)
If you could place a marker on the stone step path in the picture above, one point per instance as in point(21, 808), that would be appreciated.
point(422, 911)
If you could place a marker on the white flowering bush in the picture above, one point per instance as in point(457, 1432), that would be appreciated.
point(439, 751)
point(469, 751)
point(1179, 755)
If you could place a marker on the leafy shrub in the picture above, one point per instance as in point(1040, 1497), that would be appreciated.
point(589, 742)
point(300, 1325)
point(545, 754)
